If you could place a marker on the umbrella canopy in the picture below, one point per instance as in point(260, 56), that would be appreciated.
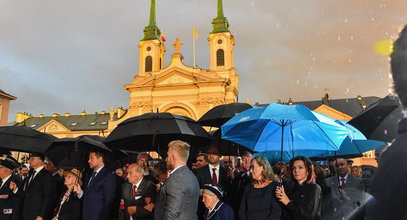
point(220, 114)
point(68, 153)
point(284, 131)
point(379, 121)
point(153, 132)
point(354, 145)
point(24, 139)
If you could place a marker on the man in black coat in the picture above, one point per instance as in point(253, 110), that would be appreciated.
point(10, 204)
point(138, 194)
point(36, 191)
point(213, 174)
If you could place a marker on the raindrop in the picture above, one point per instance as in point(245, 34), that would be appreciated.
point(298, 81)
point(372, 18)
point(350, 60)
point(339, 38)
point(385, 132)
point(347, 91)
point(313, 59)
point(346, 20)
point(351, 37)
point(315, 86)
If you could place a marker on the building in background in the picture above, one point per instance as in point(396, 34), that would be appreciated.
point(4, 106)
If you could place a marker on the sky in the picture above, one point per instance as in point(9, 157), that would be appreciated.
point(74, 55)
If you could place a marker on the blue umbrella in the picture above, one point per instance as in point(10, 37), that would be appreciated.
point(284, 131)
point(354, 145)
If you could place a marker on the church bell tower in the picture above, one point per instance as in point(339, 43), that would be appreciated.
point(151, 48)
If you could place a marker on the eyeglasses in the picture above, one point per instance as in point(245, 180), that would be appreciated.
point(199, 160)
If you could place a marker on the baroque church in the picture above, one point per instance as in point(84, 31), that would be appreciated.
point(176, 88)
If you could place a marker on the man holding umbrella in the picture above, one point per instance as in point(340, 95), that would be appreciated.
point(10, 204)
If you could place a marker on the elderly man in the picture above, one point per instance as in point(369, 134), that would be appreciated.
point(347, 191)
point(10, 204)
point(138, 194)
point(178, 198)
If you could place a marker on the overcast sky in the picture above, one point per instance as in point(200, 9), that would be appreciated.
point(74, 55)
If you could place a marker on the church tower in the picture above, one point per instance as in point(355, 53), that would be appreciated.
point(221, 43)
point(152, 50)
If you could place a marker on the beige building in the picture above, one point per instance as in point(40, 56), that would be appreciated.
point(4, 106)
point(176, 88)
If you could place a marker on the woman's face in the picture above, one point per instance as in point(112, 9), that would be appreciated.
point(256, 171)
point(70, 180)
point(299, 171)
point(209, 200)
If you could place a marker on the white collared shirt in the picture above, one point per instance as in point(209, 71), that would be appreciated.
point(216, 171)
point(4, 181)
point(138, 183)
point(37, 171)
point(340, 179)
point(176, 169)
point(98, 170)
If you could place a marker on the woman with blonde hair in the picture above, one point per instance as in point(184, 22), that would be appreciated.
point(259, 200)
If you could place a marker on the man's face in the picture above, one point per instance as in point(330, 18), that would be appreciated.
point(341, 166)
point(200, 161)
point(170, 159)
point(213, 155)
point(35, 162)
point(94, 161)
point(246, 160)
point(133, 175)
point(24, 171)
point(143, 161)
point(229, 162)
point(4, 172)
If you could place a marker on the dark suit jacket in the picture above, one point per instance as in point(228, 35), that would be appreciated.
point(70, 209)
point(37, 196)
point(347, 200)
point(204, 176)
point(235, 194)
point(98, 197)
point(178, 198)
point(145, 189)
point(9, 201)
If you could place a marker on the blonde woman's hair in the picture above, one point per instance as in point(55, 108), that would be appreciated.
point(267, 173)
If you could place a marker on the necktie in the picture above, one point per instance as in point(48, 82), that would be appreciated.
point(342, 182)
point(133, 191)
point(31, 177)
point(214, 177)
point(92, 177)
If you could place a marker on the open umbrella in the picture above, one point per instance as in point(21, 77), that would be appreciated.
point(219, 115)
point(227, 147)
point(153, 132)
point(24, 139)
point(379, 120)
point(283, 132)
point(354, 145)
point(68, 153)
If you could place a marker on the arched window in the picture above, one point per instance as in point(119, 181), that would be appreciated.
point(149, 64)
point(220, 57)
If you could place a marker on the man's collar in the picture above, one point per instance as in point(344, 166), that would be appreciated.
point(98, 170)
point(176, 168)
point(212, 166)
point(5, 179)
point(138, 183)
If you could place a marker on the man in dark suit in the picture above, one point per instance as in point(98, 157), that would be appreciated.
point(10, 204)
point(99, 190)
point(37, 190)
point(178, 198)
point(57, 184)
point(138, 194)
point(347, 194)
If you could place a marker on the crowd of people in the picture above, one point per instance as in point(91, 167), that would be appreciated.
point(213, 186)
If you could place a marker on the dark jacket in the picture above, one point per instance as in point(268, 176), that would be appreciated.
point(37, 196)
point(222, 211)
point(98, 197)
point(305, 202)
point(10, 204)
point(260, 203)
point(71, 209)
point(235, 194)
point(145, 189)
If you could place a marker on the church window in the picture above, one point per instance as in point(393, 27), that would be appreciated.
point(220, 57)
point(33, 126)
point(74, 124)
point(149, 64)
point(148, 48)
point(219, 41)
point(92, 124)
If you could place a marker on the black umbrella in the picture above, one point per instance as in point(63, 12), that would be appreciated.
point(379, 121)
point(153, 132)
point(24, 139)
point(220, 114)
point(227, 147)
point(68, 153)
